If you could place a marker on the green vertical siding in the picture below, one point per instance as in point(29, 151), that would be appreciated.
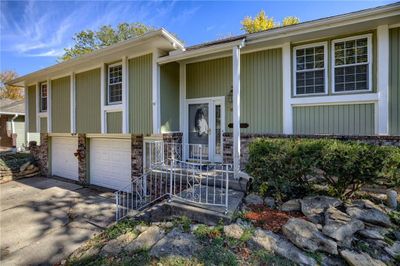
point(349, 119)
point(394, 81)
point(211, 78)
point(261, 92)
point(32, 108)
point(61, 105)
point(261, 88)
point(88, 110)
point(43, 124)
point(169, 91)
point(114, 122)
point(140, 94)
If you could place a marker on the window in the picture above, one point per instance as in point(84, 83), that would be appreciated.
point(310, 69)
point(43, 97)
point(114, 84)
point(351, 64)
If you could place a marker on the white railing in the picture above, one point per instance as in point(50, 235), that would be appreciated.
point(202, 184)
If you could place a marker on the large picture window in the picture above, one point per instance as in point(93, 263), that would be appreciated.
point(310, 69)
point(352, 64)
point(43, 97)
point(114, 91)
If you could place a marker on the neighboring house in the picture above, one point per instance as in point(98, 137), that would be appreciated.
point(12, 124)
point(336, 76)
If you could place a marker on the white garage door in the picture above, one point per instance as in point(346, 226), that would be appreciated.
point(63, 161)
point(110, 162)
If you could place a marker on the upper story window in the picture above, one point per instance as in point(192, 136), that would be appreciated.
point(43, 97)
point(310, 67)
point(352, 64)
point(114, 90)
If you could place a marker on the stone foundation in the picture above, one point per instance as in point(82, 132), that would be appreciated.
point(82, 154)
point(41, 153)
point(246, 139)
point(137, 155)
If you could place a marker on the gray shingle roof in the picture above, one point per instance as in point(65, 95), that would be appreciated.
point(12, 106)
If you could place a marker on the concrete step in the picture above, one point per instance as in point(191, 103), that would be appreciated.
point(201, 213)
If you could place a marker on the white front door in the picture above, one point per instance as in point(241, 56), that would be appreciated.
point(205, 126)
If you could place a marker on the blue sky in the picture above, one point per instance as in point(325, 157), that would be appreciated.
point(34, 33)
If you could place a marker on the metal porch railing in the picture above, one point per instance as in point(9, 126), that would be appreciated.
point(198, 183)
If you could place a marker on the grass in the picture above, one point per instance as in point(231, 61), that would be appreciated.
point(183, 222)
point(121, 228)
point(216, 254)
point(178, 261)
point(265, 258)
point(204, 232)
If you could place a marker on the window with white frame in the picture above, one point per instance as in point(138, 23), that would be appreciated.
point(310, 69)
point(43, 97)
point(351, 64)
point(114, 90)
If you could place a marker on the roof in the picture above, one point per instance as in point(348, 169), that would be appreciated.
point(168, 42)
point(387, 14)
point(12, 107)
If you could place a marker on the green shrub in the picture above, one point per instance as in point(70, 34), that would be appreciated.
point(283, 167)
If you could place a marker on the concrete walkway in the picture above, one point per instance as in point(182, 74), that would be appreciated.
point(43, 220)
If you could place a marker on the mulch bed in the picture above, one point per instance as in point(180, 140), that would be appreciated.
point(270, 219)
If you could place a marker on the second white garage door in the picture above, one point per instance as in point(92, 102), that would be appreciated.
point(63, 161)
point(110, 162)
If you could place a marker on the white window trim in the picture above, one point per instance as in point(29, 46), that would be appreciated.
point(41, 98)
point(294, 66)
point(369, 49)
point(108, 84)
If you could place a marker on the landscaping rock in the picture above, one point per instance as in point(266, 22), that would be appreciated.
point(243, 224)
point(24, 166)
point(269, 202)
point(176, 243)
point(307, 236)
point(340, 226)
point(233, 231)
point(392, 199)
point(373, 216)
point(141, 228)
point(394, 250)
point(146, 239)
point(331, 260)
point(367, 204)
point(253, 199)
point(81, 253)
point(115, 246)
point(291, 205)
point(370, 234)
point(360, 259)
point(318, 204)
point(279, 245)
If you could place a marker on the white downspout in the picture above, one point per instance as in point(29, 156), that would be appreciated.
point(236, 108)
point(13, 129)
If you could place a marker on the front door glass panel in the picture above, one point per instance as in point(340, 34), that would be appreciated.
point(199, 131)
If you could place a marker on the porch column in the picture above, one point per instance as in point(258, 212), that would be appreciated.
point(236, 109)
point(383, 80)
point(156, 93)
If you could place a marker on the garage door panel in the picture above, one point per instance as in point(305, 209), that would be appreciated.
point(64, 163)
point(110, 163)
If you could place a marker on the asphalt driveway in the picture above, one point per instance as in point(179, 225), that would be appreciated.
point(42, 220)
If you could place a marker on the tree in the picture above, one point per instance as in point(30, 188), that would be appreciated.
point(287, 21)
point(8, 91)
point(262, 22)
point(87, 41)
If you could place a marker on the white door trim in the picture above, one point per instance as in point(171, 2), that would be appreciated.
point(212, 101)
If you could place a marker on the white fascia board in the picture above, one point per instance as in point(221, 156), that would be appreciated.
point(98, 54)
point(326, 23)
point(201, 51)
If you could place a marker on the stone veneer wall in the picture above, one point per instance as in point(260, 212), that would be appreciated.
point(246, 139)
point(173, 151)
point(137, 155)
point(41, 153)
point(82, 155)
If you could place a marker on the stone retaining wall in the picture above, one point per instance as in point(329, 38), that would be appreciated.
point(41, 153)
point(246, 139)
